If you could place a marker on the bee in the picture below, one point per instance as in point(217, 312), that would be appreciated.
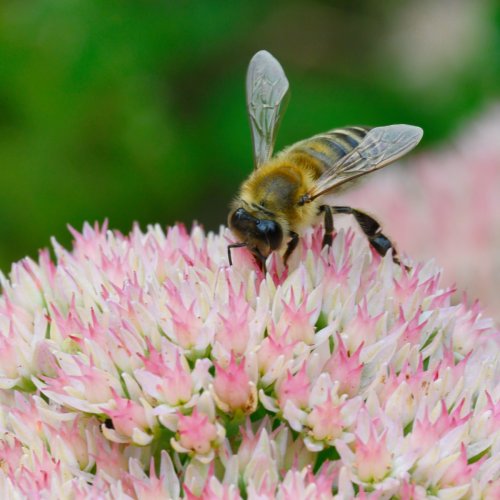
point(291, 191)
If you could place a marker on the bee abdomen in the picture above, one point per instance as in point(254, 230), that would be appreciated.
point(327, 148)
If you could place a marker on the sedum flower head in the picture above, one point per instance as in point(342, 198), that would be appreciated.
point(143, 366)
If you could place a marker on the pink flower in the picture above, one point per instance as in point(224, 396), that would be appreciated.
point(325, 421)
point(11, 453)
point(361, 326)
point(186, 320)
point(152, 486)
point(234, 330)
point(294, 388)
point(304, 484)
point(345, 368)
point(215, 490)
point(85, 388)
point(9, 355)
point(459, 471)
point(130, 421)
point(273, 352)
point(196, 433)
point(373, 458)
point(233, 389)
point(39, 475)
point(166, 380)
point(297, 320)
point(70, 442)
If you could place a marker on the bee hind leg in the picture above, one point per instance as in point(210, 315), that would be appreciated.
point(292, 245)
point(373, 231)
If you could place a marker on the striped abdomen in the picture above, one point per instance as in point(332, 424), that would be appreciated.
point(321, 151)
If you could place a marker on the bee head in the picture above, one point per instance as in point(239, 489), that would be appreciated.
point(261, 236)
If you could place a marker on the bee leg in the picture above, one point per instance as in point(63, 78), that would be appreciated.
point(261, 260)
point(233, 245)
point(327, 237)
point(379, 241)
point(292, 245)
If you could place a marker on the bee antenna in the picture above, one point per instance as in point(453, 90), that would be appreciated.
point(234, 245)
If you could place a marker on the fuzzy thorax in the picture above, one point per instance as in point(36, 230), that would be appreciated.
point(273, 192)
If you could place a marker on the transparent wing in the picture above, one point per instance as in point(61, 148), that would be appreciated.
point(267, 88)
point(380, 147)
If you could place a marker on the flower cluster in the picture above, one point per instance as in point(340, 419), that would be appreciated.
point(444, 204)
point(143, 366)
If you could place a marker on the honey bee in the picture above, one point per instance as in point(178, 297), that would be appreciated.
point(289, 192)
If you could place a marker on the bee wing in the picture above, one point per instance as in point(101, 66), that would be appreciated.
point(380, 147)
point(267, 87)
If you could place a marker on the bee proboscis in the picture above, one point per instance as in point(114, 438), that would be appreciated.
point(287, 193)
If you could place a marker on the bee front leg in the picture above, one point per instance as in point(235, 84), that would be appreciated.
point(379, 241)
point(327, 237)
point(260, 259)
point(292, 245)
point(230, 247)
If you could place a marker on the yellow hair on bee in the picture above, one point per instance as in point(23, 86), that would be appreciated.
point(274, 191)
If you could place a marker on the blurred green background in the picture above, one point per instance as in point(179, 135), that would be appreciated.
point(135, 110)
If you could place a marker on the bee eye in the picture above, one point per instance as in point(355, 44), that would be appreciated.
point(240, 219)
point(271, 231)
